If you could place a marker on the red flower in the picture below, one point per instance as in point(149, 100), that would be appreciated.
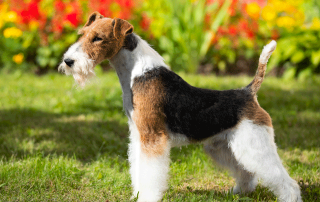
point(275, 34)
point(33, 10)
point(233, 7)
point(29, 12)
point(73, 19)
point(250, 34)
point(243, 25)
point(125, 3)
point(221, 31)
point(145, 22)
point(104, 7)
point(233, 30)
point(59, 6)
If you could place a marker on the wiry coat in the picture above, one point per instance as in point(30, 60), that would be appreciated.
point(164, 111)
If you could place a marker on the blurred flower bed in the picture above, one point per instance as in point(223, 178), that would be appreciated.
point(192, 35)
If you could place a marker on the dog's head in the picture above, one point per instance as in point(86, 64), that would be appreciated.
point(101, 39)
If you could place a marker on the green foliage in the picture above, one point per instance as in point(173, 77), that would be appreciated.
point(10, 47)
point(49, 56)
point(180, 30)
point(226, 36)
point(299, 52)
point(34, 54)
point(59, 143)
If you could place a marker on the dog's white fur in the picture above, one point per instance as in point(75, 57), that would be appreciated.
point(248, 150)
point(83, 68)
point(149, 175)
point(267, 51)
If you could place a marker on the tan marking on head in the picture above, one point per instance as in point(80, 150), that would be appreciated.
point(254, 112)
point(112, 33)
point(149, 117)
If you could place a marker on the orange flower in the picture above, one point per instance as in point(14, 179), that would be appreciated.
point(18, 58)
point(268, 13)
point(253, 10)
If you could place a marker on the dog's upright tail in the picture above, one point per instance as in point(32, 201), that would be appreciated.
point(254, 86)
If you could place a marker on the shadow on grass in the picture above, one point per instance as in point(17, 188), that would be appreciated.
point(309, 192)
point(29, 131)
point(260, 194)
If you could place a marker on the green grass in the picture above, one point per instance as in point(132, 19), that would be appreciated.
point(60, 143)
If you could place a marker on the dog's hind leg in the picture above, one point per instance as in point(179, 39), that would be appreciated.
point(222, 154)
point(253, 147)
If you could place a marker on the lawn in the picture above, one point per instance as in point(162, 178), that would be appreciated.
point(62, 143)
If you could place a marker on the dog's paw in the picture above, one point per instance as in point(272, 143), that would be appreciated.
point(235, 190)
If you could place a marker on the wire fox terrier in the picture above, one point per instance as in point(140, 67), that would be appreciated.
point(164, 111)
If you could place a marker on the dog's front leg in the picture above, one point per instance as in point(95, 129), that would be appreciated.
point(149, 166)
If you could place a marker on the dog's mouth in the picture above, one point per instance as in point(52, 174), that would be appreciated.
point(82, 71)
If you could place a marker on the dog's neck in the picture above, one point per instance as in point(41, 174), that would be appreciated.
point(133, 63)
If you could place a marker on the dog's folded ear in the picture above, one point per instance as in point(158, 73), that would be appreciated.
point(121, 28)
point(93, 17)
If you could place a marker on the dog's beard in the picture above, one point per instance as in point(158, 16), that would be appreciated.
point(83, 67)
point(81, 73)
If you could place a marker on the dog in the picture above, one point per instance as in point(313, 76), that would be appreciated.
point(164, 111)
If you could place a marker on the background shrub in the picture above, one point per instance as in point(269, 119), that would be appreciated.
point(206, 36)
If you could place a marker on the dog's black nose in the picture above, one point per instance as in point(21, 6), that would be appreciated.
point(69, 62)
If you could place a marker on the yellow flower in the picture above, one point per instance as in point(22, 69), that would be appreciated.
point(11, 16)
point(18, 58)
point(253, 10)
point(286, 22)
point(268, 13)
point(278, 6)
point(69, 9)
point(290, 9)
point(3, 8)
point(299, 17)
point(12, 32)
point(315, 24)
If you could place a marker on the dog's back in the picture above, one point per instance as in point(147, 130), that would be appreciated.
point(194, 112)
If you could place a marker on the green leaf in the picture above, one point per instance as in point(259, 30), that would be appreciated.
point(71, 38)
point(166, 44)
point(222, 66)
point(212, 7)
point(206, 43)
point(305, 74)
point(223, 12)
point(315, 57)
point(44, 51)
point(42, 61)
point(1, 185)
point(53, 62)
point(289, 73)
point(288, 51)
point(297, 57)
point(28, 40)
point(99, 176)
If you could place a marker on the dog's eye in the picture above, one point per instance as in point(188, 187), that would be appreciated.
point(96, 39)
